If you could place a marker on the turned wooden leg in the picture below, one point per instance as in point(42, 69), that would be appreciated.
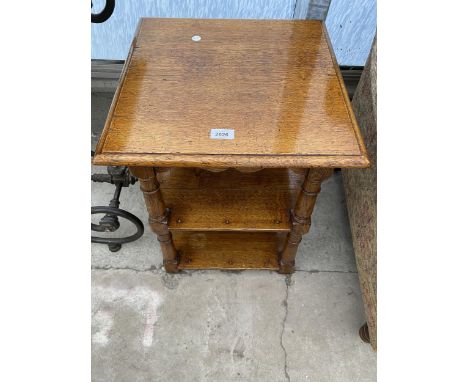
point(158, 214)
point(300, 217)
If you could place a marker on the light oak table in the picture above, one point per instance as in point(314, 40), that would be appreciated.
point(230, 127)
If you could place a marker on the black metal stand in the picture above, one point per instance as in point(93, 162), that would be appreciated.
point(120, 177)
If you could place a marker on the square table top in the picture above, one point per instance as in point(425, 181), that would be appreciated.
point(274, 84)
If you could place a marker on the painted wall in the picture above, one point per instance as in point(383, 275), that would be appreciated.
point(351, 25)
point(110, 40)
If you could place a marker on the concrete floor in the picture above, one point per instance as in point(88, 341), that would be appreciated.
point(228, 326)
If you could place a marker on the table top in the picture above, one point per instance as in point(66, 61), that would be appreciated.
point(231, 93)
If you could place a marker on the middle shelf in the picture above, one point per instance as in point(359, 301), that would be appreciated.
point(230, 200)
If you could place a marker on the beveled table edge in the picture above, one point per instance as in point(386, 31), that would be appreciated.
point(227, 161)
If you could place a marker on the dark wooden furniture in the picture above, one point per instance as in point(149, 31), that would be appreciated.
point(273, 91)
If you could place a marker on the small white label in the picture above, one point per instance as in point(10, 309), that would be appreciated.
point(222, 134)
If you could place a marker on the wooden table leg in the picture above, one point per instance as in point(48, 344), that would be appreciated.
point(301, 216)
point(158, 214)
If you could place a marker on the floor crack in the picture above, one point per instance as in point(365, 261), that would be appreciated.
point(319, 271)
point(152, 269)
point(287, 281)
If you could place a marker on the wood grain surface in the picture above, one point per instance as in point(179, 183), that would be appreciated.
point(275, 83)
point(232, 201)
point(230, 210)
point(225, 250)
point(266, 179)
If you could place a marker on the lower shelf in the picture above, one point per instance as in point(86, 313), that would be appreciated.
point(228, 250)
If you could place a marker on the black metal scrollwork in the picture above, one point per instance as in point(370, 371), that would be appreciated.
point(120, 177)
